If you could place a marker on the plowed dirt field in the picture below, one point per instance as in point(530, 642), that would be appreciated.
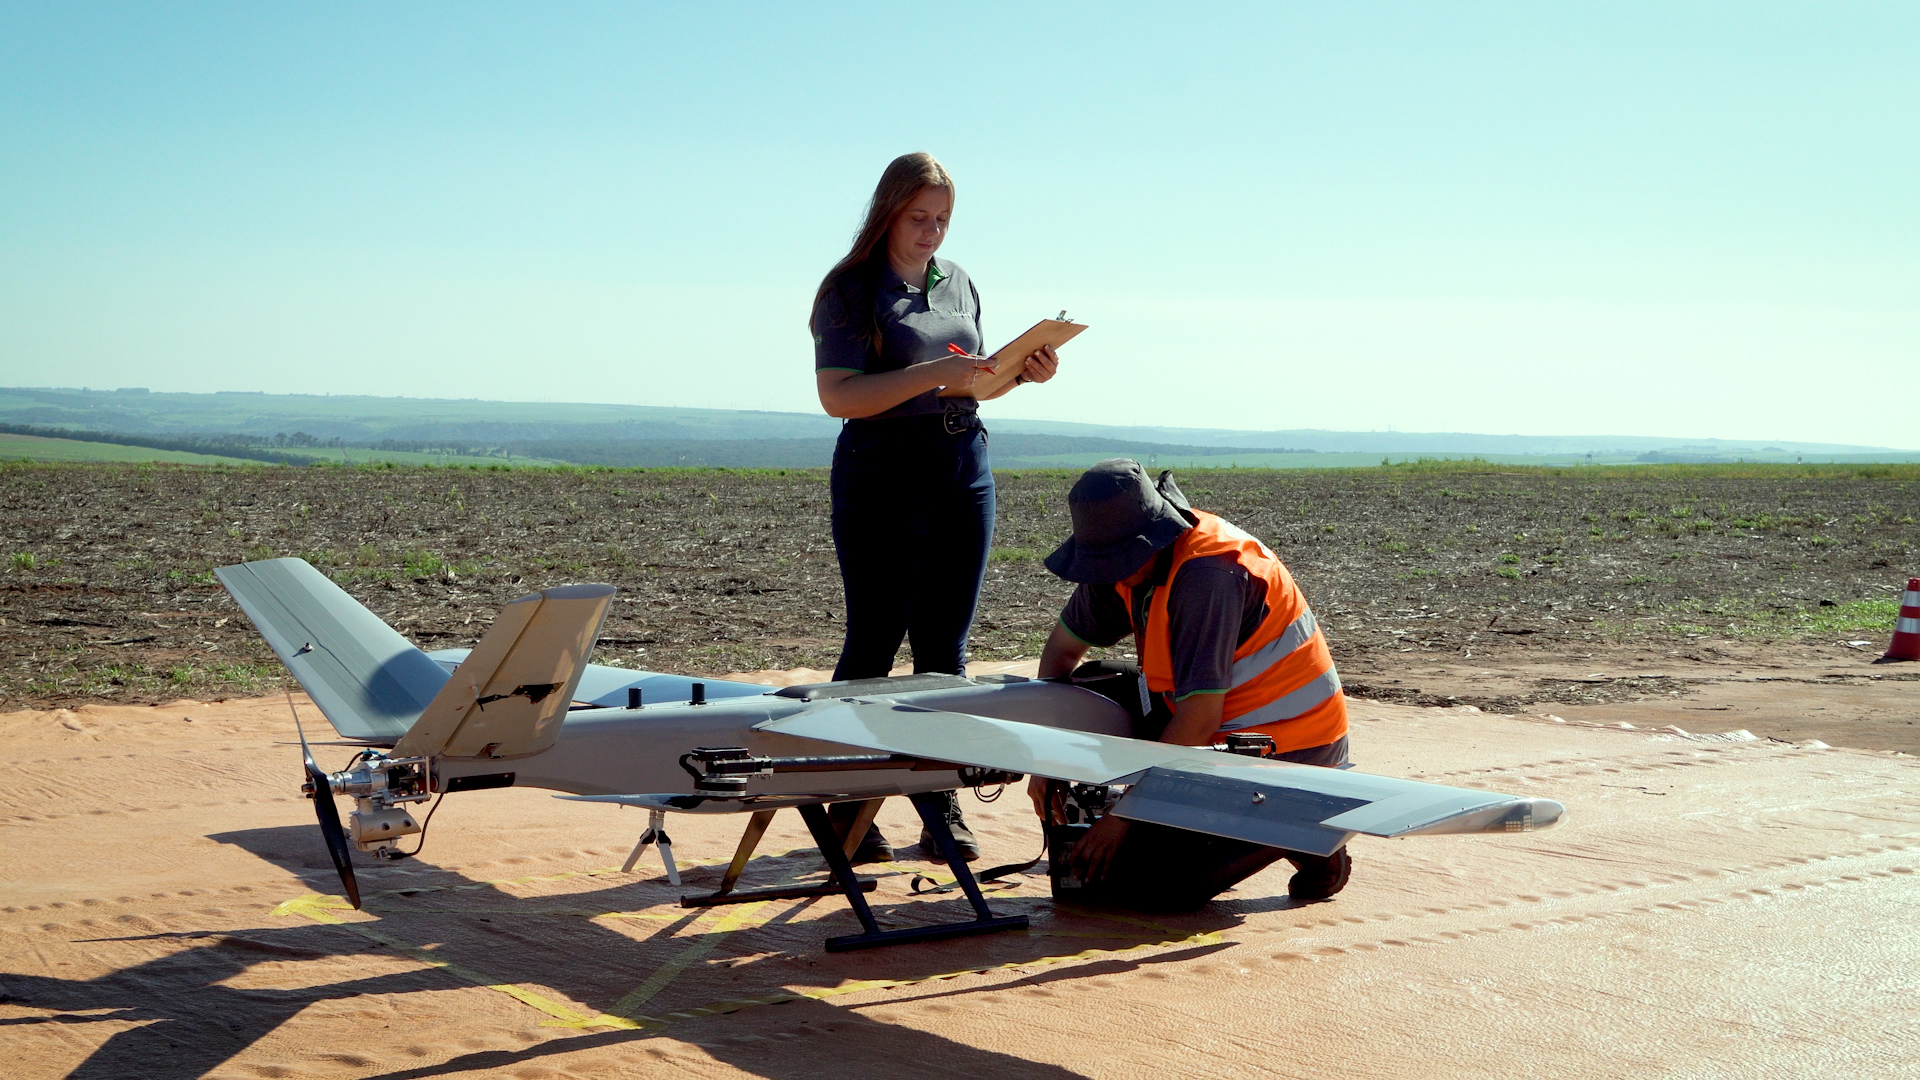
point(1507, 589)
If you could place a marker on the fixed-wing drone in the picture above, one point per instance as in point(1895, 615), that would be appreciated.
point(524, 708)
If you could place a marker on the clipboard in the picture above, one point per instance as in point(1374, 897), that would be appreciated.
point(1009, 359)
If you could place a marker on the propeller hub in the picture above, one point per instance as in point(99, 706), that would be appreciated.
point(380, 787)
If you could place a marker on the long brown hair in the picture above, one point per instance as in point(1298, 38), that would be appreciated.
point(856, 278)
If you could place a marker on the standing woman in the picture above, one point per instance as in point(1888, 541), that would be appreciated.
point(912, 488)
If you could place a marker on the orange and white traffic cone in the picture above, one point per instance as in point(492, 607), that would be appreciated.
point(1906, 632)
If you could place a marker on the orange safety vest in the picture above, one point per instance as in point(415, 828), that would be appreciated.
point(1283, 683)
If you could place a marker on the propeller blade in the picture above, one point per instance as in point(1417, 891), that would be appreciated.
point(336, 837)
point(328, 813)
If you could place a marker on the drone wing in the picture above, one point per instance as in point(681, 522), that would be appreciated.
point(1279, 804)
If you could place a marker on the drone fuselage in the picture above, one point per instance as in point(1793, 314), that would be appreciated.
point(617, 751)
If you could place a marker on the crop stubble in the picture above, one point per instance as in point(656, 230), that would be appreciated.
point(106, 591)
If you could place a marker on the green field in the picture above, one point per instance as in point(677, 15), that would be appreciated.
point(362, 418)
point(354, 455)
point(1354, 460)
point(34, 448)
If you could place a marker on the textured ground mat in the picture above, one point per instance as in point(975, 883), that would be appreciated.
point(1715, 905)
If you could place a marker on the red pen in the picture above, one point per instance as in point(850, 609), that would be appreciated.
point(952, 348)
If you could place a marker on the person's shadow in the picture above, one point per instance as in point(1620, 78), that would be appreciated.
point(191, 1019)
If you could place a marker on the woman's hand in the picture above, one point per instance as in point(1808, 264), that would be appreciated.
point(959, 370)
point(1042, 365)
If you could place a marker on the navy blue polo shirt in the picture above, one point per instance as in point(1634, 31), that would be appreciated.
point(916, 326)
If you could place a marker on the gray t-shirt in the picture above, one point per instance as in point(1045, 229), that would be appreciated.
point(1214, 608)
point(916, 325)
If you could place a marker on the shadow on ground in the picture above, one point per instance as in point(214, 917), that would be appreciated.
point(647, 960)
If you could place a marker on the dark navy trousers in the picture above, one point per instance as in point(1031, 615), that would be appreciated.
point(912, 520)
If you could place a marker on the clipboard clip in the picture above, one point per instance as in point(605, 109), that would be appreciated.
point(1063, 316)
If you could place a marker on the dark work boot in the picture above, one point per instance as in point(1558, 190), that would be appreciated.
point(1319, 876)
point(873, 847)
point(962, 836)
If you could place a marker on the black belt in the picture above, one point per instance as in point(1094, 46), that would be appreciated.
point(953, 422)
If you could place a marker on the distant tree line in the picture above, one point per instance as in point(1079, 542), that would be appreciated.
point(818, 452)
point(268, 448)
point(282, 448)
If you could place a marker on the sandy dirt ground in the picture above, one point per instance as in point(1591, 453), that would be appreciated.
point(1715, 905)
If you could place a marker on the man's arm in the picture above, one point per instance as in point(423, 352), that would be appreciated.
point(1205, 609)
point(1062, 654)
point(1196, 720)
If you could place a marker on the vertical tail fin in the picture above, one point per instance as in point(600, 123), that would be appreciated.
point(368, 681)
point(508, 697)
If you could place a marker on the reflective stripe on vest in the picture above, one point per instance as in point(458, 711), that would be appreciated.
point(1282, 672)
point(1289, 705)
point(1298, 633)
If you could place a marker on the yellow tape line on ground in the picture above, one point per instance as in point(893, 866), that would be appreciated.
point(321, 909)
point(721, 1008)
point(605, 871)
point(624, 1013)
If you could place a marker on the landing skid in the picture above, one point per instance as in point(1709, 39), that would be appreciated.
point(750, 841)
point(838, 848)
point(930, 808)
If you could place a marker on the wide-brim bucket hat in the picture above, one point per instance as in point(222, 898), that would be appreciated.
point(1120, 519)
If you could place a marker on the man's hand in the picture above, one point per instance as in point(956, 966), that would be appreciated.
point(1093, 854)
point(1037, 791)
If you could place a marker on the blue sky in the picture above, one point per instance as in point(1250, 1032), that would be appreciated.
point(1692, 220)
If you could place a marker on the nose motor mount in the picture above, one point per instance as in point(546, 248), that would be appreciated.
point(381, 788)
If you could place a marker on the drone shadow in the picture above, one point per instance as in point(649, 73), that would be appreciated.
point(191, 1022)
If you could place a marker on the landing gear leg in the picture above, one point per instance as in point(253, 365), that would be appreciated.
point(750, 840)
point(930, 807)
point(656, 834)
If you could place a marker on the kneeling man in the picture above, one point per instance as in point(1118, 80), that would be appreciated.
point(1226, 644)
